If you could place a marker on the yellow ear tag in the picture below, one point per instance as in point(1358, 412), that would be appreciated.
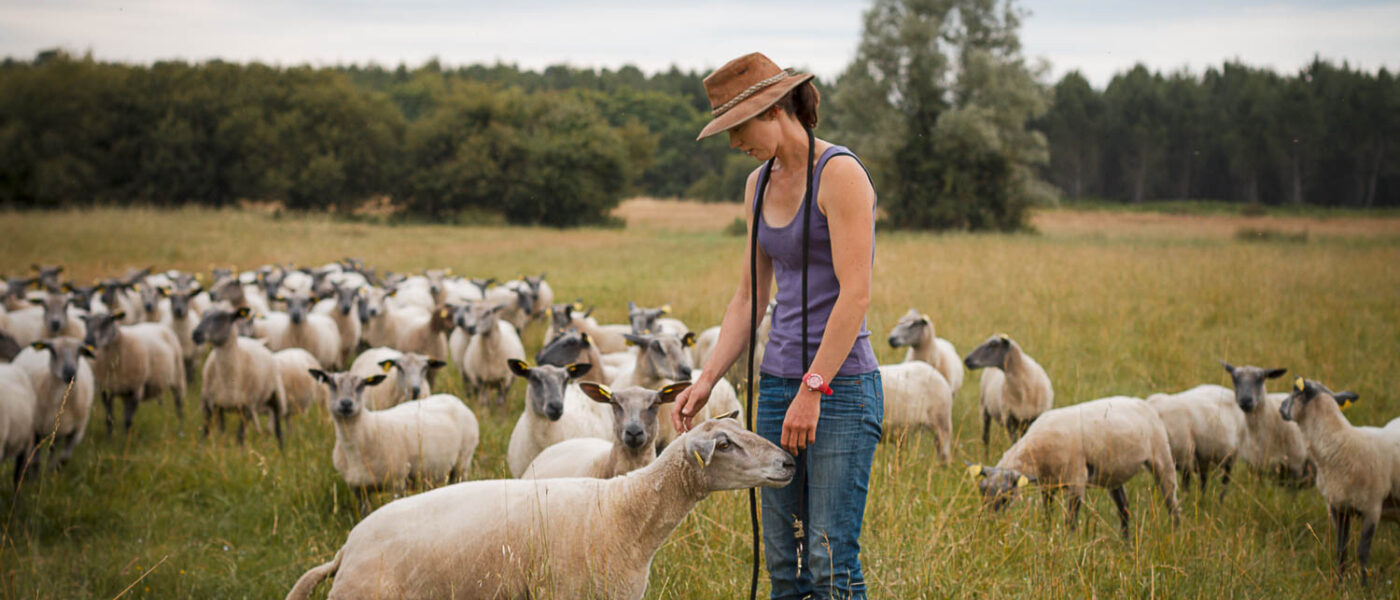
point(1298, 384)
point(1004, 336)
point(665, 309)
point(603, 389)
point(699, 460)
point(628, 342)
point(443, 313)
point(387, 365)
point(1023, 481)
point(1346, 404)
point(447, 271)
point(974, 470)
point(91, 348)
point(549, 313)
point(578, 307)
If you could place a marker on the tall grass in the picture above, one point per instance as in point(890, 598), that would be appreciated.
point(184, 517)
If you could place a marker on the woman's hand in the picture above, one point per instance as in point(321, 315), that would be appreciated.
point(800, 424)
point(689, 403)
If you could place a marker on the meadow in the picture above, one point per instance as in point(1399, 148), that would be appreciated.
point(1108, 302)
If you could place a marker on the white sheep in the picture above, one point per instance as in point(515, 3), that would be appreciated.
point(1102, 442)
point(917, 332)
point(1272, 445)
point(547, 538)
point(554, 411)
point(633, 445)
point(300, 389)
point(181, 320)
point(423, 333)
point(62, 379)
point(1358, 468)
point(311, 331)
point(240, 373)
point(1014, 391)
point(515, 299)
point(18, 403)
point(135, 362)
point(493, 342)
point(431, 440)
point(608, 338)
point(1205, 428)
point(339, 305)
point(917, 395)
point(409, 376)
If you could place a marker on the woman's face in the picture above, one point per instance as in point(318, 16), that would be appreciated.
point(757, 137)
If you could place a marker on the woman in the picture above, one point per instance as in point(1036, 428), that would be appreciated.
point(820, 396)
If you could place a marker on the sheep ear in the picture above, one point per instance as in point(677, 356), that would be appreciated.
point(319, 375)
point(585, 338)
point(631, 306)
point(925, 318)
point(39, 346)
point(688, 340)
point(976, 471)
point(387, 364)
point(577, 370)
point(1024, 481)
point(518, 367)
point(119, 315)
point(1229, 368)
point(733, 414)
point(242, 313)
point(434, 363)
point(1346, 399)
point(669, 393)
point(164, 292)
point(375, 379)
point(702, 448)
point(665, 309)
point(36, 301)
point(1275, 373)
point(549, 312)
point(1300, 384)
point(634, 340)
point(88, 350)
point(596, 392)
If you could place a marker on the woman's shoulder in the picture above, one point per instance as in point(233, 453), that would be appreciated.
point(844, 180)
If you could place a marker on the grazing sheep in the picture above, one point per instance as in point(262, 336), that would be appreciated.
point(409, 376)
point(1358, 468)
point(240, 373)
point(1205, 428)
point(554, 411)
point(1102, 442)
point(917, 395)
point(493, 342)
point(63, 384)
point(634, 436)
point(1015, 391)
point(573, 346)
point(432, 439)
point(314, 332)
point(339, 305)
point(549, 538)
point(300, 389)
point(916, 331)
point(135, 362)
point(18, 403)
point(1272, 445)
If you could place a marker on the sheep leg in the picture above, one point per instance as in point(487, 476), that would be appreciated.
point(1363, 547)
point(1225, 468)
point(277, 422)
point(1076, 497)
point(245, 413)
point(107, 403)
point(1120, 498)
point(1185, 478)
point(986, 428)
point(1341, 522)
point(221, 421)
point(179, 403)
point(130, 402)
point(208, 417)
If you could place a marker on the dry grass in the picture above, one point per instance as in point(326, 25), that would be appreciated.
point(1129, 306)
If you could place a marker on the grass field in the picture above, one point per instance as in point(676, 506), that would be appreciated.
point(1109, 303)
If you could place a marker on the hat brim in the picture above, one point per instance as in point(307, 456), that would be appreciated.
point(753, 106)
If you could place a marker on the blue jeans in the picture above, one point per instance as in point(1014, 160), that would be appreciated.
point(829, 495)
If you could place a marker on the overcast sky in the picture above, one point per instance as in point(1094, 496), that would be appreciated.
point(1097, 37)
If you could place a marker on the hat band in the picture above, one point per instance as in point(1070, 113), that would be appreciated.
point(753, 89)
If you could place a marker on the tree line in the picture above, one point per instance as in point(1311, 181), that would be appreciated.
point(955, 129)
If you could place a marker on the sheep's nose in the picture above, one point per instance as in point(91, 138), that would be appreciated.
point(893, 342)
point(967, 362)
point(69, 374)
point(346, 406)
point(554, 411)
point(417, 392)
point(296, 318)
point(633, 436)
point(685, 373)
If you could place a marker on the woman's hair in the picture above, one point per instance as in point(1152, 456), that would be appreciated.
point(802, 103)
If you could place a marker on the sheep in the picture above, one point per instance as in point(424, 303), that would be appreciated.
point(63, 384)
point(1102, 442)
point(414, 292)
point(1272, 445)
point(240, 373)
point(738, 371)
point(609, 338)
point(554, 412)
point(410, 376)
point(516, 300)
point(153, 306)
point(339, 305)
point(135, 362)
point(423, 333)
point(504, 539)
point(54, 315)
point(1015, 391)
point(458, 291)
point(1358, 468)
point(648, 320)
point(300, 389)
point(381, 317)
point(181, 320)
point(18, 403)
point(432, 439)
point(543, 293)
point(917, 395)
point(46, 276)
point(917, 332)
point(14, 296)
point(314, 332)
point(634, 436)
point(1205, 429)
point(574, 346)
point(484, 362)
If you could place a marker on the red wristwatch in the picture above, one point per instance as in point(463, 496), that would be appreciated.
point(814, 382)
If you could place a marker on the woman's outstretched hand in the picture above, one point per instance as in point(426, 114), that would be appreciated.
point(689, 403)
point(800, 424)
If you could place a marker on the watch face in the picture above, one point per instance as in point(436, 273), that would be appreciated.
point(813, 380)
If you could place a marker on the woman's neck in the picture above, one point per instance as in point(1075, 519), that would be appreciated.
point(792, 150)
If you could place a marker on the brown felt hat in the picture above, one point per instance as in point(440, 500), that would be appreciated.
point(745, 87)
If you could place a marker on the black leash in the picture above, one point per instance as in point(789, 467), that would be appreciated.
point(799, 529)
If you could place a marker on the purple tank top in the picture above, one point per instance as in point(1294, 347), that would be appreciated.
point(783, 355)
